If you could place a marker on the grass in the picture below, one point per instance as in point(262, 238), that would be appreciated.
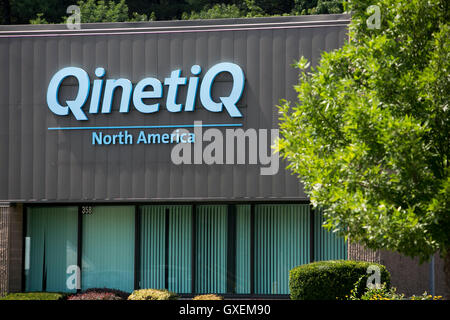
point(33, 296)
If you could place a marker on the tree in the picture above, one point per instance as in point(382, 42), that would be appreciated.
point(217, 11)
point(51, 11)
point(105, 11)
point(247, 9)
point(369, 136)
point(108, 11)
point(22, 11)
point(318, 6)
point(39, 19)
point(99, 11)
point(166, 9)
point(5, 12)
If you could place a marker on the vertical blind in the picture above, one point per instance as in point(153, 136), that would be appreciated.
point(281, 243)
point(108, 248)
point(328, 245)
point(243, 252)
point(177, 252)
point(52, 240)
point(180, 249)
point(153, 246)
point(226, 246)
point(211, 249)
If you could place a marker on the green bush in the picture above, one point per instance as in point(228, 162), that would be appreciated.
point(375, 293)
point(331, 280)
point(208, 297)
point(152, 294)
point(34, 296)
point(382, 293)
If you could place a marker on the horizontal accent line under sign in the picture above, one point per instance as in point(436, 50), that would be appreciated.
point(149, 127)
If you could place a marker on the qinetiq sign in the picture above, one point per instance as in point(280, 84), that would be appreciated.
point(139, 93)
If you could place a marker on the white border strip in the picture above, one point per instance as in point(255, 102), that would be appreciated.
point(180, 27)
point(165, 32)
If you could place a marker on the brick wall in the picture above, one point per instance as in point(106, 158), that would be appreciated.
point(356, 251)
point(16, 238)
point(11, 243)
point(407, 275)
point(4, 236)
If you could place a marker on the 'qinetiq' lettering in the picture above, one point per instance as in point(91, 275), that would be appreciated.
point(147, 88)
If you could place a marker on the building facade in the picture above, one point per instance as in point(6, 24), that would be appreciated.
point(138, 155)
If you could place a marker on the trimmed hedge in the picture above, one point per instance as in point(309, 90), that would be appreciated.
point(153, 294)
point(34, 296)
point(331, 280)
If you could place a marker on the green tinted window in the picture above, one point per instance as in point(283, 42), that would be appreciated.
point(50, 248)
point(108, 248)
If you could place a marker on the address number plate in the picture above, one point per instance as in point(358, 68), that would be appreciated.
point(86, 210)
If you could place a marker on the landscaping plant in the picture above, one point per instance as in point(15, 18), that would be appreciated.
point(208, 297)
point(369, 137)
point(153, 294)
point(332, 280)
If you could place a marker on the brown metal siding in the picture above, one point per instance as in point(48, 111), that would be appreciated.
point(38, 164)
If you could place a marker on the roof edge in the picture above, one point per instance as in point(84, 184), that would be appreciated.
point(232, 23)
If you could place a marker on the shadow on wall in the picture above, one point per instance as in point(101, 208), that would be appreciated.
point(407, 275)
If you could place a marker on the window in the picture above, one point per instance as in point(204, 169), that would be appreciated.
point(50, 247)
point(108, 248)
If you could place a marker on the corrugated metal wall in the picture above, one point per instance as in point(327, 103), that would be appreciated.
point(39, 164)
point(328, 246)
point(4, 249)
point(211, 249)
point(281, 243)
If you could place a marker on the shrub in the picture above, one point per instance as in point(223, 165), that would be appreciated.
point(100, 294)
point(94, 296)
point(152, 294)
point(122, 294)
point(383, 293)
point(330, 280)
point(34, 296)
point(208, 297)
point(426, 296)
